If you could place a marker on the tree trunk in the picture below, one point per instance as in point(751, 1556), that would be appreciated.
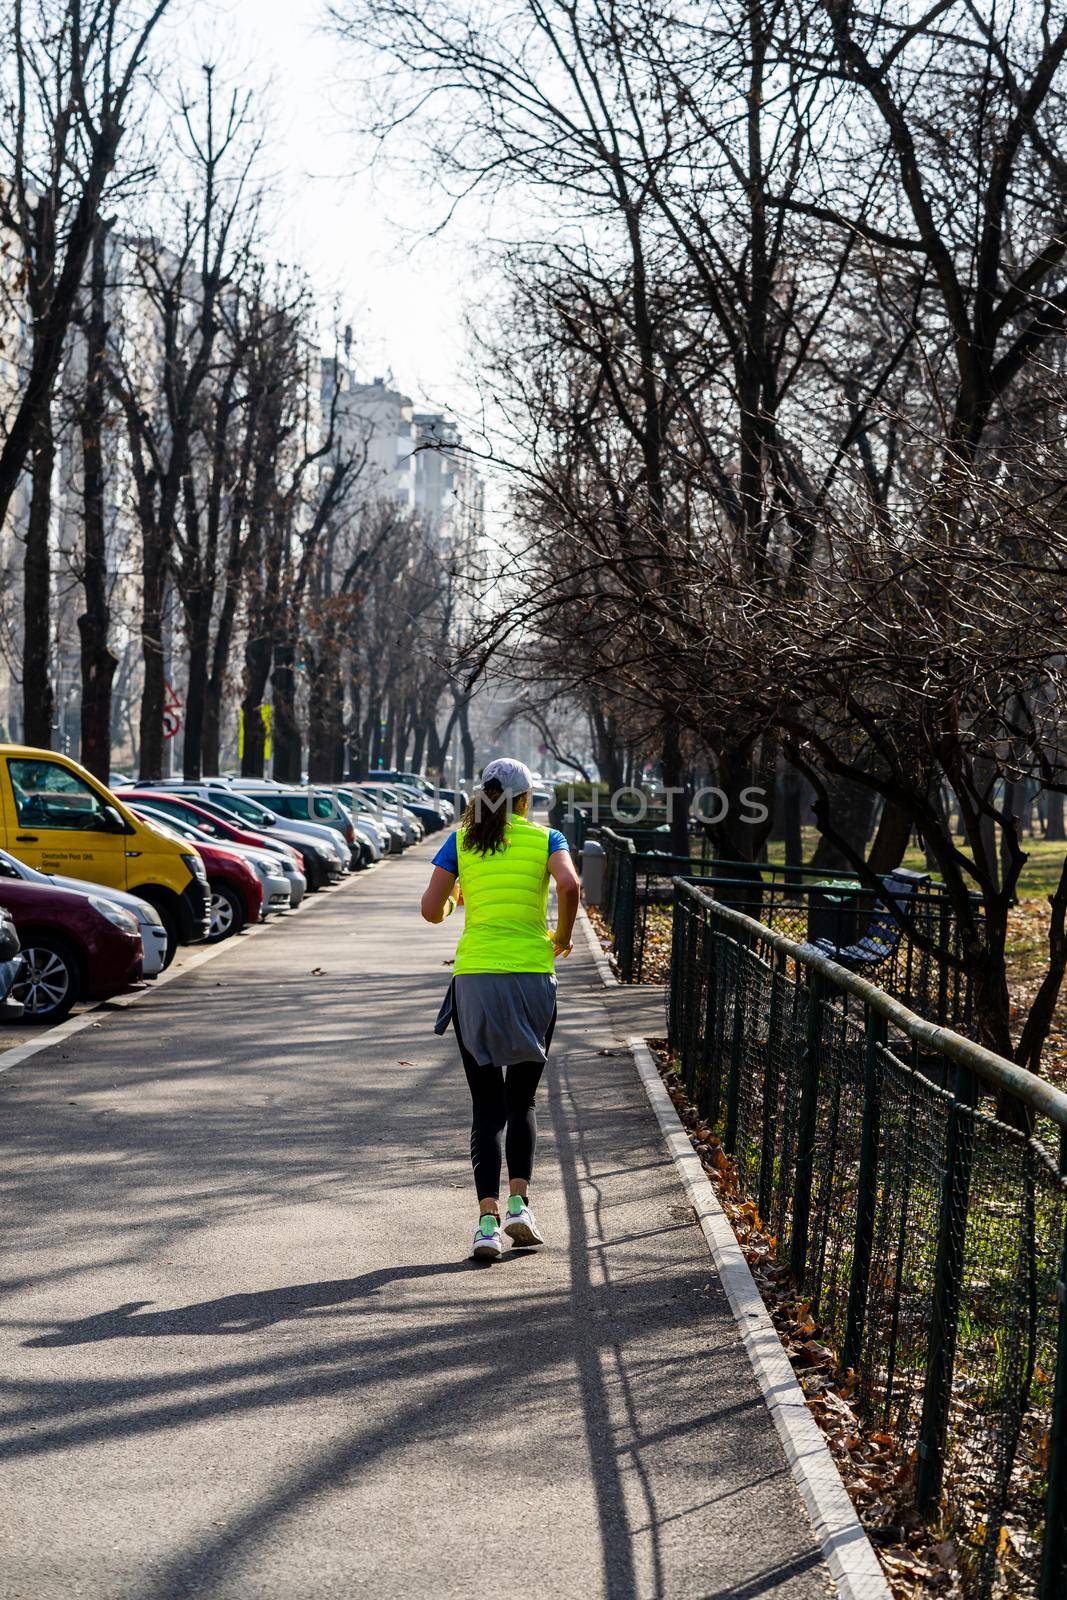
point(38, 706)
point(287, 741)
point(419, 750)
point(257, 672)
point(1014, 807)
point(98, 661)
point(851, 813)
point(674, 777)
point(891, 839)
point(154, 586)
point(388, 738)
point(792, 820)
point(326, 740)
point(470, 770)
point(609, 758)
point(356, 763)
point(198, 621)
point(216, 684)
point(1054, 816)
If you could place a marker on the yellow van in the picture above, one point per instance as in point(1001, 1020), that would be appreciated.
point(55, 816)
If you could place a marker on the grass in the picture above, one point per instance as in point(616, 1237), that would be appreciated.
point(1039, 877)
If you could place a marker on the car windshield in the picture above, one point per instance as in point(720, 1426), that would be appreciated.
point(247, 809)
point(355, 801)
point(11, 867)
point(184, 830)
point(216, 812)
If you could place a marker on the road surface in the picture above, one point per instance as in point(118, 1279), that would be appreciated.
point(243, 1354)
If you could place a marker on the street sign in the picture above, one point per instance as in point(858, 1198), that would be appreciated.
point(172, 714)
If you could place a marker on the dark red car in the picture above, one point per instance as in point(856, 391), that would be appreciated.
point(236, 892)
point(74, 947)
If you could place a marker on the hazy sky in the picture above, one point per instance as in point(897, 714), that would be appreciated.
point(355, 230)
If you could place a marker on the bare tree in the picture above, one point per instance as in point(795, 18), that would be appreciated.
point(164, 388)
point(69, 83)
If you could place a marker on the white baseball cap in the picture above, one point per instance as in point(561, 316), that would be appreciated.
point(512, 776)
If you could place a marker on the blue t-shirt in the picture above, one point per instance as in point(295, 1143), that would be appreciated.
point(448, 855)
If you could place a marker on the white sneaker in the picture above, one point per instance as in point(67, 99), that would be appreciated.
point(520, 1226)
point(488, 1244)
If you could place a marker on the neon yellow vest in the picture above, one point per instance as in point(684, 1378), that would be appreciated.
point(505, 900)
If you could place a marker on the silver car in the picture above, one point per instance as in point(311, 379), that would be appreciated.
point(267, 867)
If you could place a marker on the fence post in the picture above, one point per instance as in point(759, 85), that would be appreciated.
point(1054, 1551)
point(806, 1125)
point(948, 1282)
point(737, 1048)
point(677, 975)
point(770, 1089)
point(625, 911)
point(866, 1192)
point(711, 1001)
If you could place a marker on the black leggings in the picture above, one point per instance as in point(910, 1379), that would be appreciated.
point(502, 1099)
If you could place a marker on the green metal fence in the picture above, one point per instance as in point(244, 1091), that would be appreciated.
point(904, 937)
point(927, 1228)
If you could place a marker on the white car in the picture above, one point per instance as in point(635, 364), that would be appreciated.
point(155, 954)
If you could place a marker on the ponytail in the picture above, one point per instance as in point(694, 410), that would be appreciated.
point(484, 824)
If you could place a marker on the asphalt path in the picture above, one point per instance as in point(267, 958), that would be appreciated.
point(242, 1351)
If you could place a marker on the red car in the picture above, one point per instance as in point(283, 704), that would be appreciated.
point(236, 892)
point(74, 947)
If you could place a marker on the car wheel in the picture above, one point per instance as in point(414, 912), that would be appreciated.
point(227, 913)
point(171, 929)
point(50, 981)
point(315, 875)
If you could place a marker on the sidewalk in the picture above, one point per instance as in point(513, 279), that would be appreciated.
point(242, 1354)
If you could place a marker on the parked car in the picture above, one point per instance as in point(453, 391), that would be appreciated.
point(156, 950)
point(325, 861)
point(75, 946)
point(283, 858)
point(10, 967)
point(273, 884)
point(235, 888)
point(414, 780)
point(416, 796)
point(316, 805)
point(431, 818)
point(55, 816)
point(365, 809)
point(423, 790)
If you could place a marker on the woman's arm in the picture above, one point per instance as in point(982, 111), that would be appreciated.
point(568, 898)
point(438, 901)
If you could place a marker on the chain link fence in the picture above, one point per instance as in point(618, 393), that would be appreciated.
point(916, 1186)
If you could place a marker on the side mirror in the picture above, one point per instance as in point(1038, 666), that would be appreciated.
point(113, 823)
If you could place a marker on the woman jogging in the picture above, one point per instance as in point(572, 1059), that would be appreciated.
point(502, 999)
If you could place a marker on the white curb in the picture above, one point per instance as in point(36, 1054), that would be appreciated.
point(600, 955)
point(847, 1550)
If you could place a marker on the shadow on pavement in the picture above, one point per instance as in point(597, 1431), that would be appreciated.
point(241, 1313)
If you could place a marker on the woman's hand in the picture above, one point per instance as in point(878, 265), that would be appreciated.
point(561, 944)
